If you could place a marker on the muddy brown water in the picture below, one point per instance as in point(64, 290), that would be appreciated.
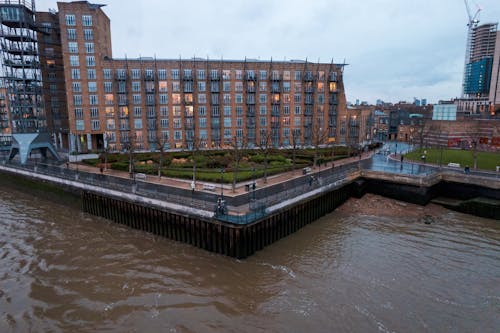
point(373, 265)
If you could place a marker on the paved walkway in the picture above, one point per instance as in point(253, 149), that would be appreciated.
point(240, 187)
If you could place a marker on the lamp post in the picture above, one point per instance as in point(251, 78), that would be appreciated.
point(253, 184)
point(221, 184)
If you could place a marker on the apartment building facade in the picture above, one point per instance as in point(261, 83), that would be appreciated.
point(147, 103)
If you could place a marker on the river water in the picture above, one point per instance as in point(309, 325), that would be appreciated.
point(371, 266)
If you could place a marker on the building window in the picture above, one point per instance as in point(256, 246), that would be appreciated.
point(94, 112)
point(263, 75)
point(92, 86)
point(93, 100)
point(263, 98)
point(176, 111)
point(226, 86)
point(163, 99)
point(175, 74)
point(177, 135)
point(90, 61)
point(73, 47)
point(297, 75)
point(177, 123)
point(164, 123)
point(227, 98)
point(80, 125)
point(162, 74)
point(201, 86)
point(203, 122)
point(74, 61)
point(164, 111)
point(89, 47)
point(106, 72)
point(176, 98)
point(108, 87)
point(227, 122)
point(201, 74)
point(138, 123)
point(136, 86)
point(263, 121)
point(71, 33)
point(239, 98)
point(77, 87)
point(75, 74)
point(202, 98)
point(77, 99)
point(87, 20)
point(88, 34)
point(176, 86)
point(108, 99)
point(163, 86)
point(202, 111)
point(70, 19)
point(79, 113)
point(263, 110)
point(136, 73)
point(136, 98)
point(91, 75)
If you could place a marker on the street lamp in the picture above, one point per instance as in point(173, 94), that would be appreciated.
point(253, 185)
point(221, 184)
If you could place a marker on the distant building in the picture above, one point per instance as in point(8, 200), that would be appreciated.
point(481, 87)
point(444, 112)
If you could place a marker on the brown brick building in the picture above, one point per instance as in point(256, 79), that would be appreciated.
point(179, 103)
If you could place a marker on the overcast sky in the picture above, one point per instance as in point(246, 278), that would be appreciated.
point(396, 49)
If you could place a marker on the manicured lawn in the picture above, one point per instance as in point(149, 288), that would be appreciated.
point(210, 162)
point(485, 160)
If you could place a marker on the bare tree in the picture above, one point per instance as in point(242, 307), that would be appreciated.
point(194, 152)
point(130, 146)
point(319, 137)
point(160, 142)
point(238, 145)
point(265, 146)
point(295, 142)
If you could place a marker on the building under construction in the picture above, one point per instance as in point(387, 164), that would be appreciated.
point(22, 79)
point(481, 88)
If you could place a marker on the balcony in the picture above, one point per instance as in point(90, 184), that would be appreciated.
point(308, 77)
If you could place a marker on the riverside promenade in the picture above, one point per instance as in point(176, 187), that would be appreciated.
point(238, 223)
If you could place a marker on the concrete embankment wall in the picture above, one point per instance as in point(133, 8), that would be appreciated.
point(478, 196)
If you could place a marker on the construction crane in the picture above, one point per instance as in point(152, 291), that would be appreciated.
point(471, 24)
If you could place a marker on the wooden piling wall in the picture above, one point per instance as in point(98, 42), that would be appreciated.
point(234, 240)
